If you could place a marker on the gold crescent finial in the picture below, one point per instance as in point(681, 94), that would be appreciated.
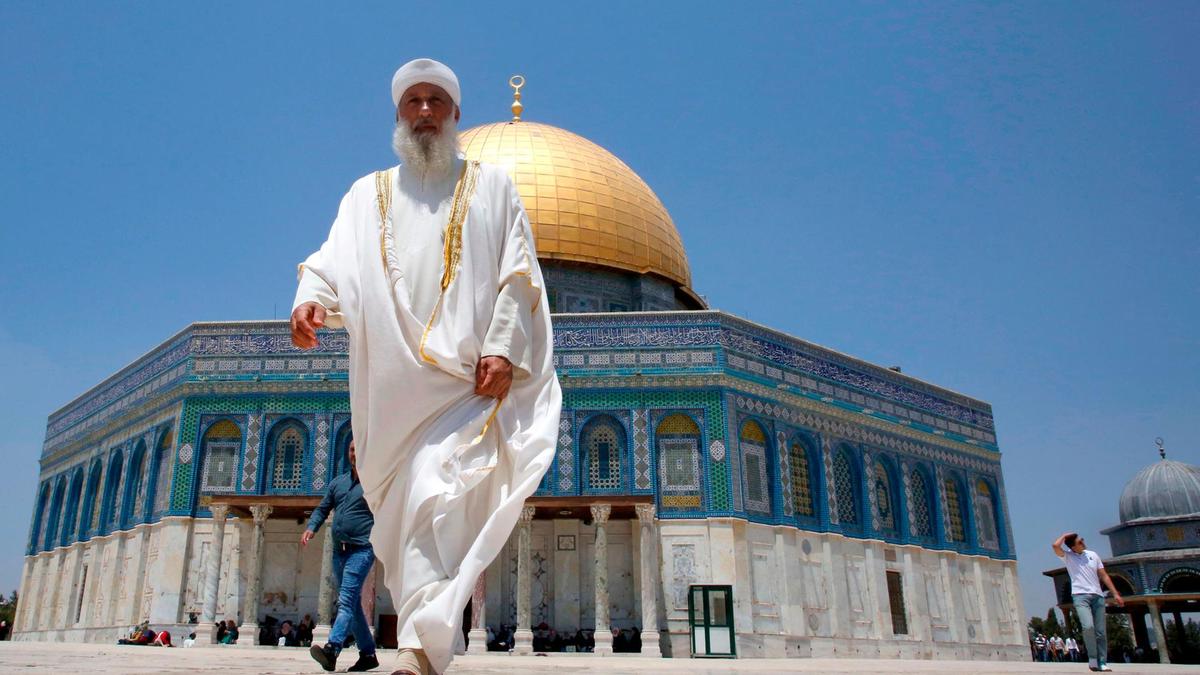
point(516, 82)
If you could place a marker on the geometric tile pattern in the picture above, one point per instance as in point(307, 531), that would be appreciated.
point(250, 458)
point(320, 465)
point(566, 454)
point(843, 479)
point(785, 471)
point(920, 523)
point(642, 479)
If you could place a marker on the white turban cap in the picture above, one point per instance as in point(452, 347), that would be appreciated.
point(425, 70)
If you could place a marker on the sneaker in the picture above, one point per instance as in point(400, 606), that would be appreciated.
point(364, 663)
point(1104, 668)
point(326, 656)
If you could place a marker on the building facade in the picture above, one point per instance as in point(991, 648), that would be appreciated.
point(851, 509)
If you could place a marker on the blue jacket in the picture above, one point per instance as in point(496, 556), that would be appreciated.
point(352, 520)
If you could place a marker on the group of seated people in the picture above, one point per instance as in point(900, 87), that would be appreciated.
point(286, 633)
point(145, 635)
point(547, 639)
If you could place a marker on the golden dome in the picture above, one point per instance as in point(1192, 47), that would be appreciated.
point(585, 204)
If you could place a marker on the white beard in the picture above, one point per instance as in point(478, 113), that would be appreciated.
point(427, 155)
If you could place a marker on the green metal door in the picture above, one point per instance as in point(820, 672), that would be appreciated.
point(710, 617)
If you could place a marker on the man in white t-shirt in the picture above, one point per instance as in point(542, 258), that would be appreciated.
point(1072, 649)
point(1087, 571)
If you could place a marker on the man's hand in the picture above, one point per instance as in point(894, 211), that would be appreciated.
point(307, 536)
point(1119, 599)
point(305, 321)
point(493, 376)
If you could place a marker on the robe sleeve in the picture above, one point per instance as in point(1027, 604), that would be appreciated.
point(520, 291)
point(318, 274)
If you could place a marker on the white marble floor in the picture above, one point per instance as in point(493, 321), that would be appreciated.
point(38, 657)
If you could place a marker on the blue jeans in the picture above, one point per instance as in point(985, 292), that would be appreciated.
point(1090, 608)
point(351, 570)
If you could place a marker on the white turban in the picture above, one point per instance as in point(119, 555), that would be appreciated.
point(428, 71)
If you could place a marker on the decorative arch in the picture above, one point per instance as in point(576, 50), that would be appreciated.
point(1122, 582)
point(756, 467)
point(56, 508)
point(74, 493)
point(112, 484)
point(847, 482)
point(956, 513)
point(604, 446)
point(133, 485)
point(39, 516)
point(91, 501)
point(986, 523)
point(677, 441)
point(1180, 580)
point(921, 509)
point(222, 445)
point(805, 483)
point(341, 450)
point(287, 446)
point(159, 496)
point(886, 498)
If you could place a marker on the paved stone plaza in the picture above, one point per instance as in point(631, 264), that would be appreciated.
point(36, 657)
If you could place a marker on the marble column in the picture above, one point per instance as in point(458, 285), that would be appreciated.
point(603, 634)
point(325, 595)
point(212, 576)
point(248, 632)
point(523, 637)
point(649, 573)
point(477, 638)
point(1140, 637)
point(1160, 635)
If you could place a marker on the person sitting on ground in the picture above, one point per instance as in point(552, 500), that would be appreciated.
point(304, 630)
point(190, 640)
point(231, 633)
point(288, 636)
point(163, 639)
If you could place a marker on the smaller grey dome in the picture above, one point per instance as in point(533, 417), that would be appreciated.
point(1162, 490)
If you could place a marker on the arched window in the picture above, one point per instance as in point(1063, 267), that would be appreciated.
point(985, 515)
point(341, 450)
point(802, 480)
point(133, 485)
point(885, 504)
point(91, 500)
point(603, 444)
point(954, 512)
point(222, 444)
point(677, 439)
point(112, 482)
point(287, 457)
point(919, 509)
point(1179, 580)
point(56, 506)
point(73, 497)
point(756, 471)
point(164, 468)
point(39, 517)
point(845, 485)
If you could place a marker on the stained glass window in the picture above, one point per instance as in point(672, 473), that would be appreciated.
point(288, 459)
point(918, 510)
point(222, 443)
point(985, 514)
point(882, 484)
point(678, 439)
point(954, 512)
point(162, 482)
point(753, 441)
point(843, 485)
point(603, 439)
point(802, 501)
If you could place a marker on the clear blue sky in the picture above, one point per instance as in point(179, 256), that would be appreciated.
point(1004, 199)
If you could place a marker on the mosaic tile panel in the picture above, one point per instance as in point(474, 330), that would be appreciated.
point(785, 472)
point(566, 453)
point(321, 453)
point(250, 458)
point(642, 480)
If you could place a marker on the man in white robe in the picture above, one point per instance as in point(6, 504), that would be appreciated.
point(430, 266)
